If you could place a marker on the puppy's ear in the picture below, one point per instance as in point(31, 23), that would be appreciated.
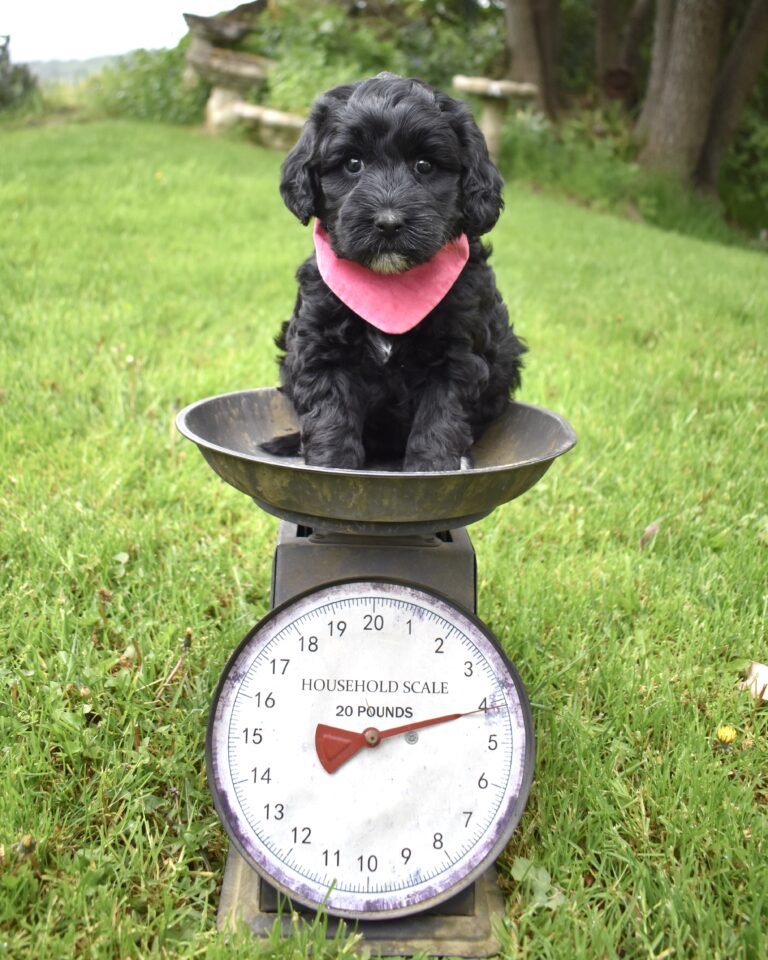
point(299, 184)
point(481, 182)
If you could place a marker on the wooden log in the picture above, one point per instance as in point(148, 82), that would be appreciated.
point(273, 118)
point(228, 27)
point(220, 109)
point(498, 89)
point(273, 128)
point(494, 95)
point(228, 68)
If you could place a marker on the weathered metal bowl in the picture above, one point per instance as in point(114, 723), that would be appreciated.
point(514, 453)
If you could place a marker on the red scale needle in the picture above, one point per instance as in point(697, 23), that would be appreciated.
point(335, 746)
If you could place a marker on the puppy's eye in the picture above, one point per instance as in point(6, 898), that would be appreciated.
point(353, 165)
point(423, 167)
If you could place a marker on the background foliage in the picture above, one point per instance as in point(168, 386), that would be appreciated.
point(144, 267)
point(17, 83)
point(149, 85)
point(629, 586)
point(590, 154)
point(316, 46)
point(744, 181)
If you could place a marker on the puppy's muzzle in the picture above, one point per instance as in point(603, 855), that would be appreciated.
point(389, 223)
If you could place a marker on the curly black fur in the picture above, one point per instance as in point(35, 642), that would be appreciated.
point(424, 396)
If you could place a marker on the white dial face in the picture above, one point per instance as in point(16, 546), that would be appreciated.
point(370, 749)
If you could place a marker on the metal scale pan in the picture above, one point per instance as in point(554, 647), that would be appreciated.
point(513, 454)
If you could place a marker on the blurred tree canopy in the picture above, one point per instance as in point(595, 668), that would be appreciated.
point(688, 66)
point(689, 73)
point(17, 84)
point(679, 85)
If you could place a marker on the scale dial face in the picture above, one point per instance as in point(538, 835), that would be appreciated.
point(370, 748)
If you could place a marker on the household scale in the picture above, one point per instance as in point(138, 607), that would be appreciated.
point(370, 746)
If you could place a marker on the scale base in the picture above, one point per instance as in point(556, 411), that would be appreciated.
point(466, 933)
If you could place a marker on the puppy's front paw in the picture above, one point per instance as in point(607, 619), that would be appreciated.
point(331, 441)
point(421, 463)
point(347, 458)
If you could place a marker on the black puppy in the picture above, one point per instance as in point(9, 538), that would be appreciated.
point(399, 345)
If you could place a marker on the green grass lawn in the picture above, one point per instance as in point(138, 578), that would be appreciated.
point(142, 268)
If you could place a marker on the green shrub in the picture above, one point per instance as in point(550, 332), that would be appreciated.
point(591, 158)
point(17, 84)
point(437, 45)
point(315, 51)
point(315, 48)
point(149, 85)
point(744, 175)
point(585, 155)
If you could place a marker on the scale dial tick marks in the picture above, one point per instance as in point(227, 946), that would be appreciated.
point(308, 748)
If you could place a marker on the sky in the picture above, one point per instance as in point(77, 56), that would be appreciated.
point(79, 29)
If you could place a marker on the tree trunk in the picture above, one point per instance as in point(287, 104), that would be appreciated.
point(638, 25)
point(547, 14)
point(609, 19)
point(531, 39)
point(662, 35)
point(679, 124)
point(737, 77)
point(620, 28)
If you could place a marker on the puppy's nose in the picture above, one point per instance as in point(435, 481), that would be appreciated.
point(388, 222)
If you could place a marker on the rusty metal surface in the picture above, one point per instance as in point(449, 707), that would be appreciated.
point(302, 561)
point(463, 934)
point(513, 454)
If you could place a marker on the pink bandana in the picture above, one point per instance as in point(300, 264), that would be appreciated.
point(392, 302)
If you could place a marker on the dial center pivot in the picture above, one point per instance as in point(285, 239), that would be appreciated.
point(335, 746)
point(372, 737)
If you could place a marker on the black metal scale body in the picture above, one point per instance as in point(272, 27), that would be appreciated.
point(444, 562)
point(338, 525)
